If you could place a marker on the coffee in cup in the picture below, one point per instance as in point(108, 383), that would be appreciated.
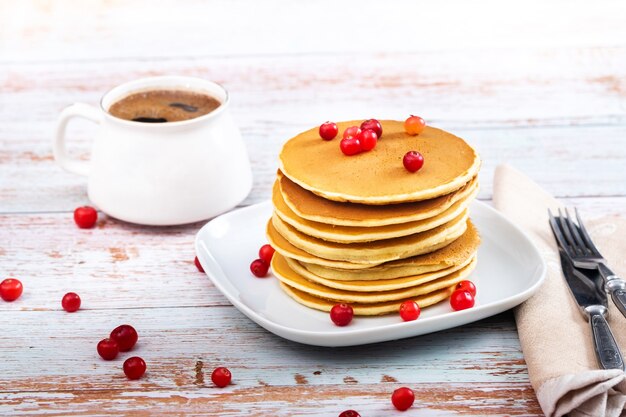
point(162, 106)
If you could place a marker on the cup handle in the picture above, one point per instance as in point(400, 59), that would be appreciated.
point(60, 152)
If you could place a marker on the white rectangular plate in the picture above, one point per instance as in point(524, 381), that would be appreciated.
point(510, 269)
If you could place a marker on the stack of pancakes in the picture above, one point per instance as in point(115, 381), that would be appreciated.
point(365, 231)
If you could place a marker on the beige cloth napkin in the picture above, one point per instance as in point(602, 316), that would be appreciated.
point(555, 338)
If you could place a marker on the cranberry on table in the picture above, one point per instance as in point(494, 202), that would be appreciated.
point(409, 310)
point(368, 139)
point(461, 300)
point(341, 314)
point(351, 132)
point(134, 367)
point(126, 336)
point(198, 264)
point(11, 289)
point(259, 268)
point(374, 125)
point(414, 125)
point(413, 161)
point(328, 130)
point(221, 376)
point(403, 398)
point(350, 146)
point(349, 413)
point(108, 349)
point(266, 253)
point(70, 302)
point(85, 217)
point(468, 286)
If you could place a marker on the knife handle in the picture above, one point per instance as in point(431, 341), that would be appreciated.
point(615, 286)
point(618, 295)
point(607, 350)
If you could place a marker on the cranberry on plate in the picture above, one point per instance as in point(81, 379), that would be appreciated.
point(461, 300)
point(409, 310)
point(259, 268)
point(341, 314)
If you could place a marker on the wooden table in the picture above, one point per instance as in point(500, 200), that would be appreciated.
point(540, 86)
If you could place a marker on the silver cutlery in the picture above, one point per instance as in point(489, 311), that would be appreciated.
point(577, 243)
point(586, 287)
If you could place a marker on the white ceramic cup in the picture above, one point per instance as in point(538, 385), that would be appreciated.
point(161, 173)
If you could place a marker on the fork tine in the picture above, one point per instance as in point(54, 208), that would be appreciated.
point(556, 230)
point(585, 235)
point(580, 244)
point(566, 232)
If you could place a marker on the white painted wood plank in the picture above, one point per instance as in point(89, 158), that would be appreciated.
point(529, 115)
point(432, 400)
point(449, 369)
point(567, 161)
point(172, 340)
point(64, 30)
point(488, 87)
point(119, 266)
point(115, 265)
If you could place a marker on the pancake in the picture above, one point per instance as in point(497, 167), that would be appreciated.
point(379, 251)
point(312, 207)
point(375, 285)
point(374, 309)
point(378, 176)
point(288, 276)
point(352, 234)
point(456, 253)
point(282, 246)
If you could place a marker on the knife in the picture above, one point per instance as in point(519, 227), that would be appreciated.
point(587, 288)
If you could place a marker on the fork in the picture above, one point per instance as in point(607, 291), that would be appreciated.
point(579, 247)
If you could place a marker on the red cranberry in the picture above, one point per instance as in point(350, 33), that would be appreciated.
point(198, 264)
point(414, 125)
point(413, 161)
point(349, 413)
point(350, 146)
point(403, 398)
point(70, 302)
point(134, 367)
point(341, 314)
point(11, 289)
point(85, 217)
point(368, 139)
point(108, 349)
point(259, 268)
point(351, 132)
point(328, 130)
point(266, 253)
point(374, 125)
point(221, 376)
point(409, 310)
point(126, 336)
point(468, 286)
point(461, 300)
